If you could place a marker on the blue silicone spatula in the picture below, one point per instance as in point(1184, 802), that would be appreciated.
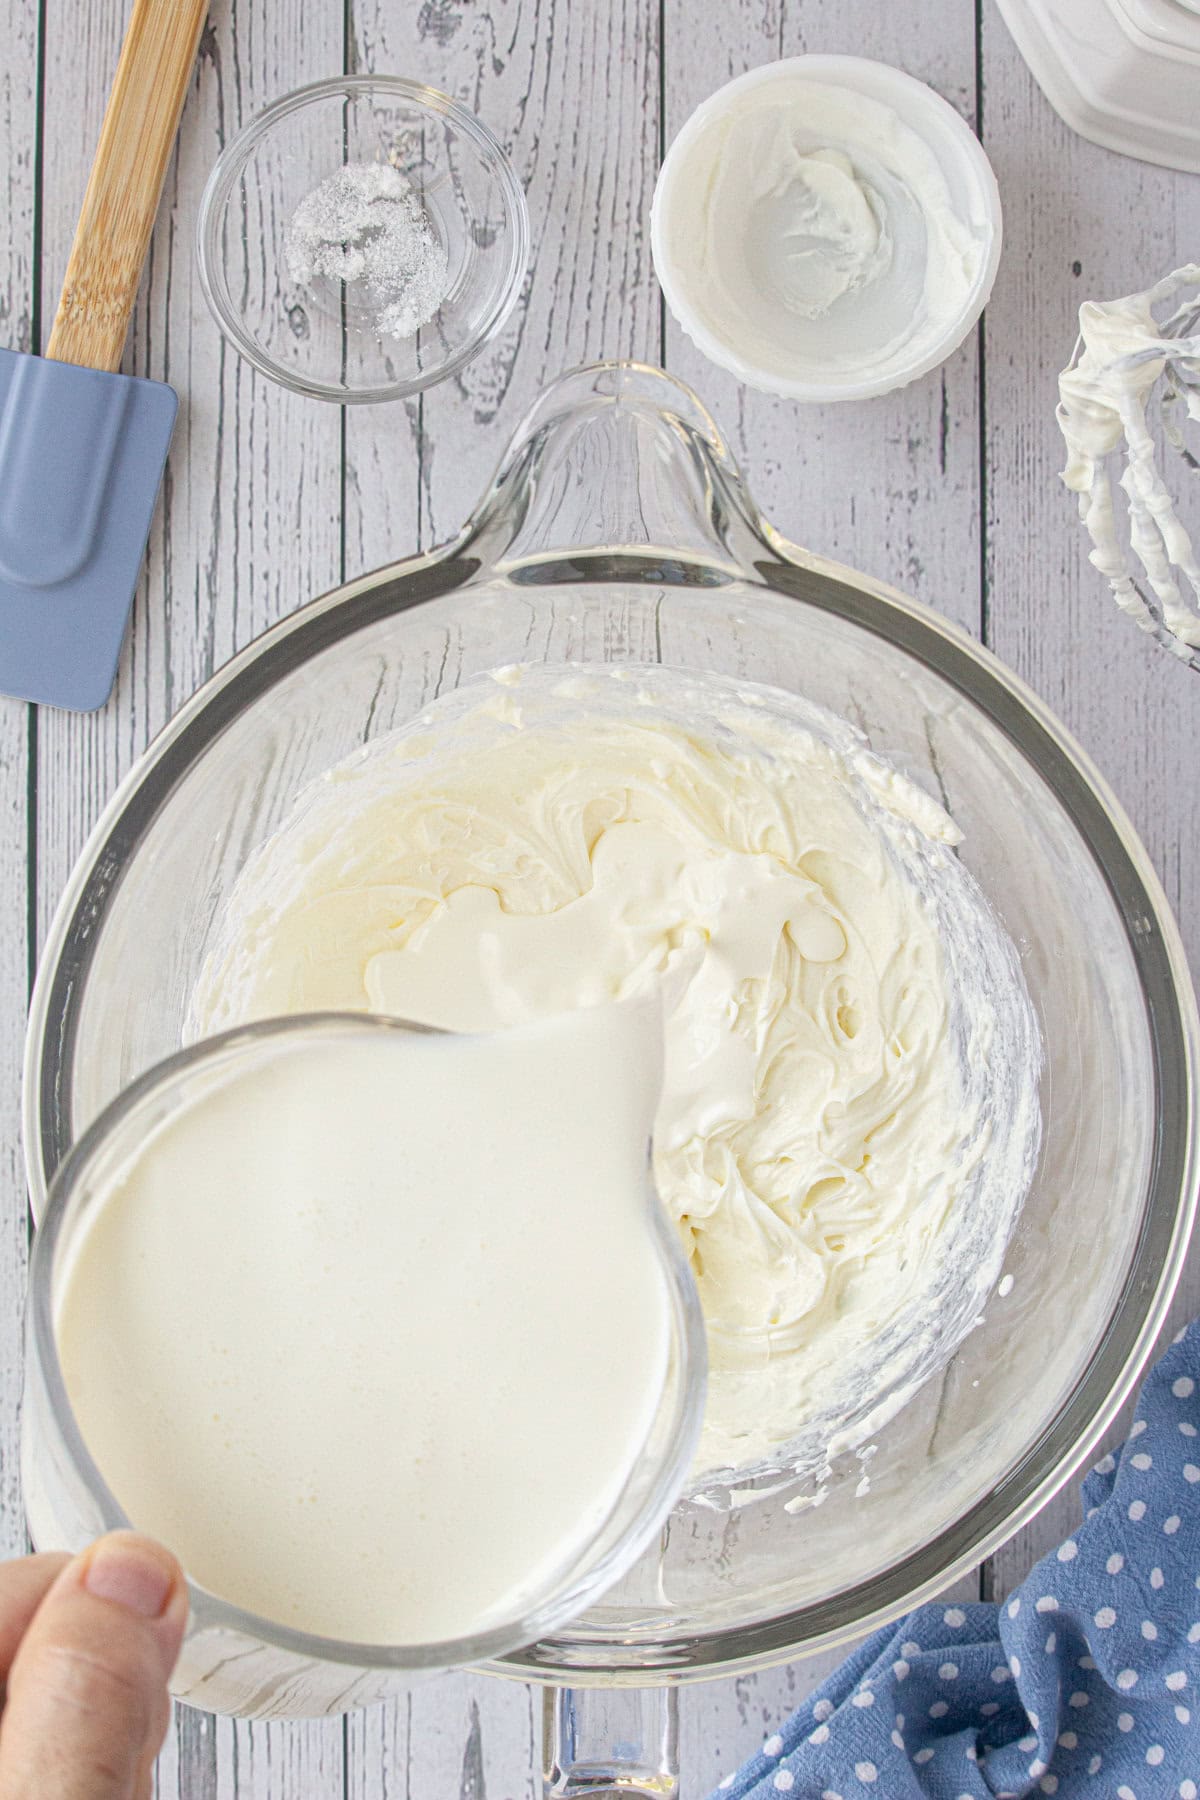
point(82, 448)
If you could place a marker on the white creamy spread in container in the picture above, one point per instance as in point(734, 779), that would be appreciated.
point(373, 1329)
point(849, 1117)
point(812, 233)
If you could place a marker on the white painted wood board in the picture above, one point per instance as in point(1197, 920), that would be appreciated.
point(18, 138)
point(248, 526)
point(1079, 221)
point(947, 489)
point(892, 485)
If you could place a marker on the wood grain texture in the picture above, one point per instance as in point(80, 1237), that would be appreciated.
point(18, 138)
point(722, 1723)
point(270, 499)
point(531, 71)
point(414, 472)
point(247, 526)
point(248, 521)
point(1080, 222)
point(457, 1737)
point(892, 485)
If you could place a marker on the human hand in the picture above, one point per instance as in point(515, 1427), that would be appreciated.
point(87, 1644)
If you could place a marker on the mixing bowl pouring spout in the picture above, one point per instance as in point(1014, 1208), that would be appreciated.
point(619, 469)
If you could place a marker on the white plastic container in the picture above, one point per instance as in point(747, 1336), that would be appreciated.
point(1123, 73)
point(788, 165)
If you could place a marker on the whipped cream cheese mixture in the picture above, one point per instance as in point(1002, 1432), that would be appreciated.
point(337, 1412)
point(849, 1112)
point(816, 232)
point(1126, 356)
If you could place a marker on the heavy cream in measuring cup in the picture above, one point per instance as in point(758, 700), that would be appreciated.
point(373, 1328)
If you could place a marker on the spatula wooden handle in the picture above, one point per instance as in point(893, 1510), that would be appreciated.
point(125, 184)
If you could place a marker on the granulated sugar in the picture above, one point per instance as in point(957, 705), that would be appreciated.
point(366, 227)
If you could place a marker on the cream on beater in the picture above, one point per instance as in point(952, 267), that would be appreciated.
point(1126, 353)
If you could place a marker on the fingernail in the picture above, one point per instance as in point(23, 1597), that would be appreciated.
point(132, 1572)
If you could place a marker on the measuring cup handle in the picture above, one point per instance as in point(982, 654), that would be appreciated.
point(621, 1743)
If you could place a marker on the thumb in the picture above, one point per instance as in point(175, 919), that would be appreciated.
point(87, 1705)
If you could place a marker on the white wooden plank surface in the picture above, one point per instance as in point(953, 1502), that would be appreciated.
point(251, 524)
point(414, 473)
point(248, 526)
point(890, 486)
point(531, 73)
point(18, 138)
point(1079, 222)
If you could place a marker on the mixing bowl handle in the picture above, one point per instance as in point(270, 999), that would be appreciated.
point(618, 1742)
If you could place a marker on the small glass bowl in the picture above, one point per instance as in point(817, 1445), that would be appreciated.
point(308, 337)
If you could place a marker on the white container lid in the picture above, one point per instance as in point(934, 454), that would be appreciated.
point(861, 142)
point(1123, 73)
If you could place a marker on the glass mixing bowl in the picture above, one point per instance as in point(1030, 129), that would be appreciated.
point(618, 530)
point(318, 338)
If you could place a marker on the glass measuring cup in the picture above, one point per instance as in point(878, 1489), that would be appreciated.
point(234, 1660)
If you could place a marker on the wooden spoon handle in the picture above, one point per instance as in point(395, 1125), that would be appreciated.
point(125, 184)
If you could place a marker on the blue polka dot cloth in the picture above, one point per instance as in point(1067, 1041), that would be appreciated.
point(1083, 1682)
